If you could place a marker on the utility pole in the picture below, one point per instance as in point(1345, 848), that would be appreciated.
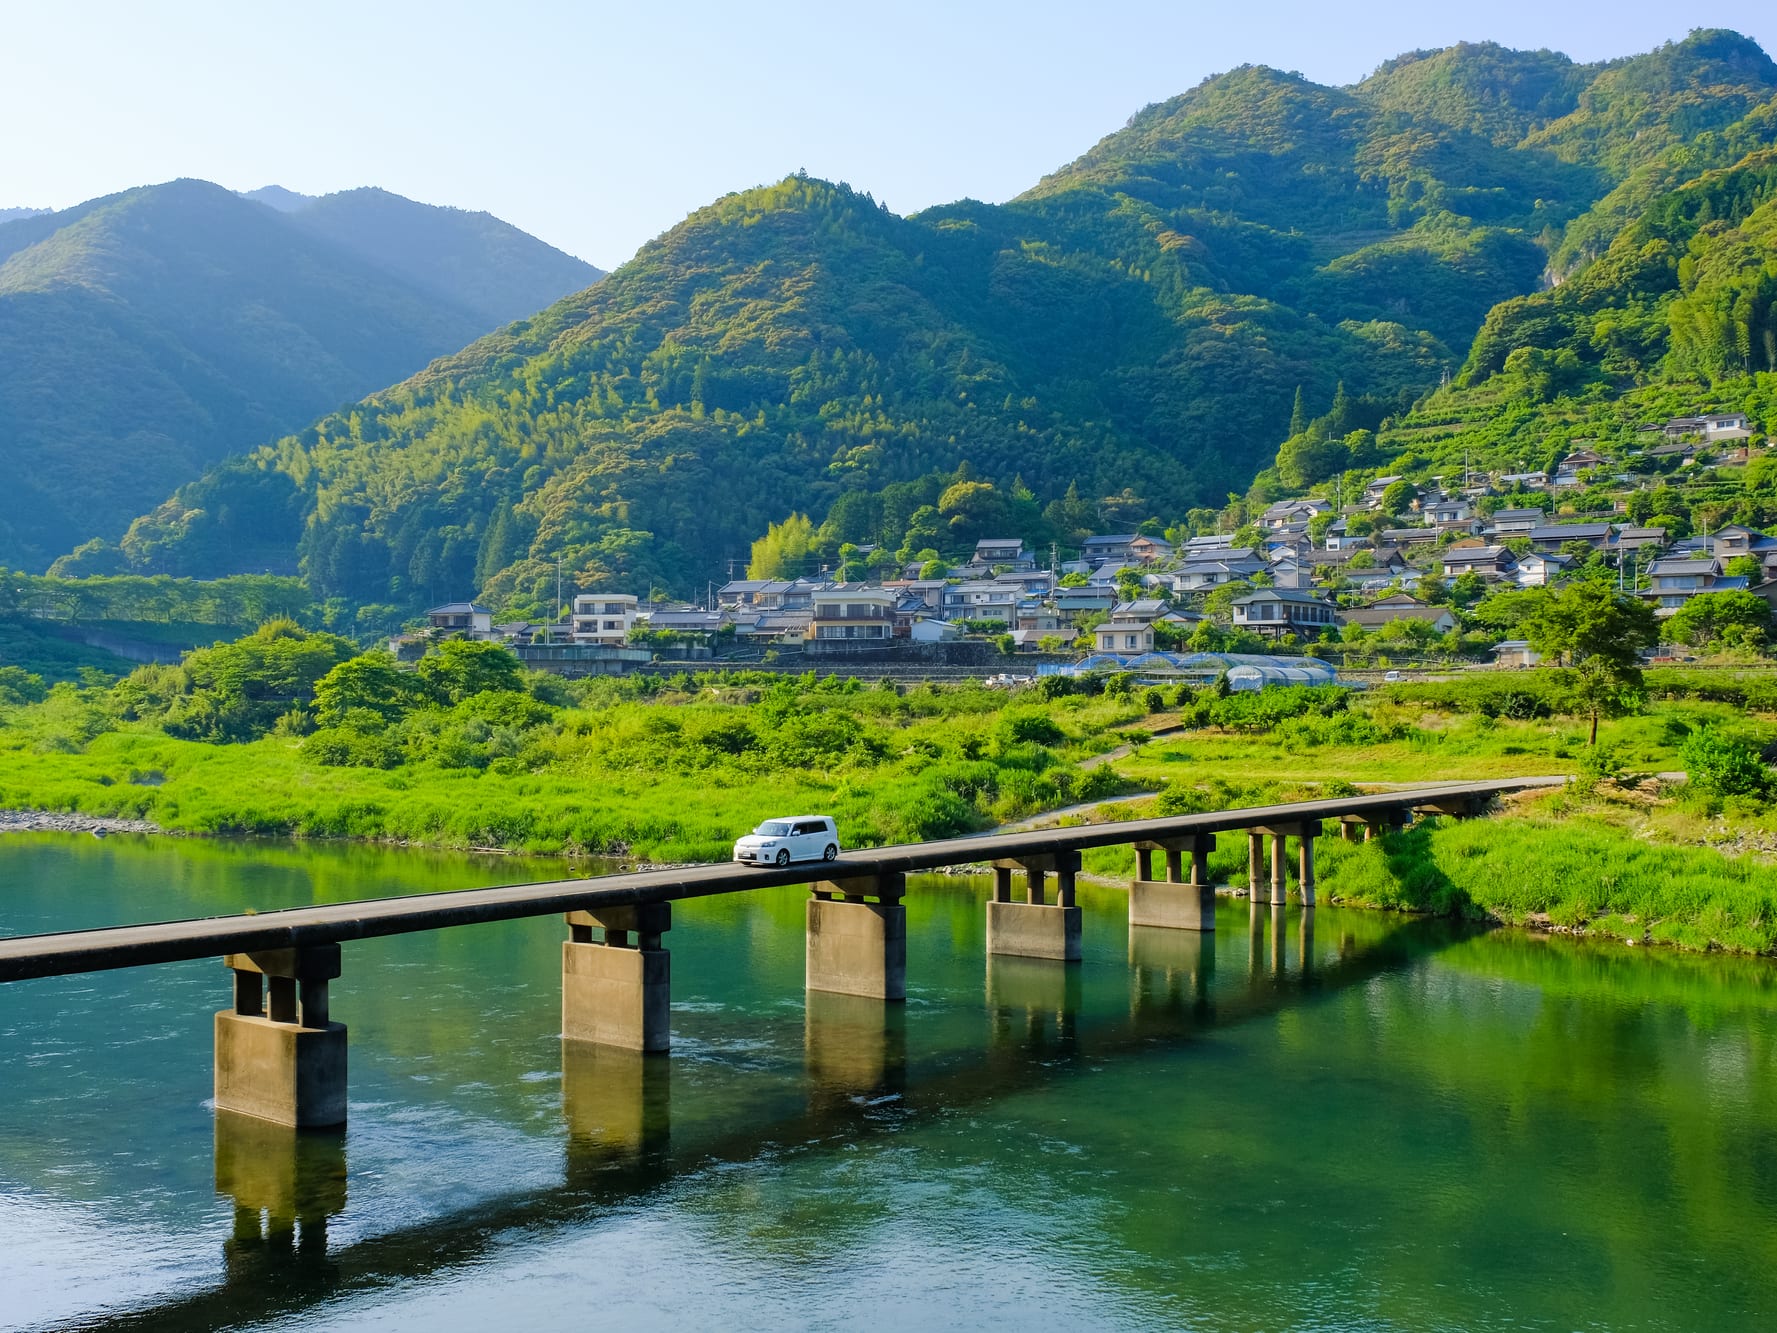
point(558, 606)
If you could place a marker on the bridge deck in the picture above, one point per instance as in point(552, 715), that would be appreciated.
point(60, 954)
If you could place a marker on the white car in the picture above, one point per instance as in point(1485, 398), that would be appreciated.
point(795, 838)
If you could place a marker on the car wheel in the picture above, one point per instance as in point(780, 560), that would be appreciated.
point(831, 853)
point(783, 857)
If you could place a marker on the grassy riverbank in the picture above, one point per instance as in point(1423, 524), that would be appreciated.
point(288, 733)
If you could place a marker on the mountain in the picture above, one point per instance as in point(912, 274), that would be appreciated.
point(9, 214)
point(470, 260)
point(145, 335)
point(1127, 340)
point(276, 196)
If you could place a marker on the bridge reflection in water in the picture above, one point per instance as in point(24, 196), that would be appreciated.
point(617, 1106)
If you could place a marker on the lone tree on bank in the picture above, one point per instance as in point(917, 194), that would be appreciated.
point(1599, 633)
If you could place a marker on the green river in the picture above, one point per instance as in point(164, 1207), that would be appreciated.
point(1360, 1122)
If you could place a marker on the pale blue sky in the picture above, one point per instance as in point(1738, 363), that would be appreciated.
point(598, 126)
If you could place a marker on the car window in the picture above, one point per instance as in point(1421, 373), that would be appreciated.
point(810, 826)
point(773, 828)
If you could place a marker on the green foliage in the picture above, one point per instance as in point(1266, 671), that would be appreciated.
point(1722, 765)
point(240, 691)
point(1736, 618)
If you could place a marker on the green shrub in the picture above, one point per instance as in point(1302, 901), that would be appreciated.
point(1722, 765)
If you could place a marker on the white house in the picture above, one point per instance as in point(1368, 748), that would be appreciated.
point(603, 617)
point(463, 618)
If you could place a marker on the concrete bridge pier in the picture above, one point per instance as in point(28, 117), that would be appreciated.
point(1368, 828)
point(858, 947)
point(1279, 834)
point(612, 992)
point(1173, 902)
point(1034, 928)
point(278, 1055)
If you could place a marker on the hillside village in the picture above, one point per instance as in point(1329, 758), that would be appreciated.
point(1405, 571)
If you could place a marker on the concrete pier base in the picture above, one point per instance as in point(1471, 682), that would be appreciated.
point(278, 1056)
point(1175, 906)
point(1034, 930)
point(612, 993)
point(857, 947)
point(281, 1072)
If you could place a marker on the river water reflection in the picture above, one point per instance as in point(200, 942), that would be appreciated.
point(1361, 1121)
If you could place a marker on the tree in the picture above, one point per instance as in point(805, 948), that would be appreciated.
point(1735, 618)
point(1398, 496)
point(370, 687)
point(459, 668)
point(1599, 633)
point(782, 553)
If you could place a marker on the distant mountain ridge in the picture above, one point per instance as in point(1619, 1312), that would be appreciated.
point(12, 214)
point(1124, 340)
point(145, 335)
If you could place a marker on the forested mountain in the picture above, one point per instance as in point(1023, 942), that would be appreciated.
point(1126, 340)
point(145, 335)
point(9, 214)
point(471, 260)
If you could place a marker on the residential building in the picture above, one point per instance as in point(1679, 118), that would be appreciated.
point(1096, 551)
point(1490, 562)
point(463, 618)
point(1276, 611)
point(741, 592)
point(1087, 601)
point(1410, 536)
point(1676, 581)
point(1539, 569)
point(1150, 550)
point(929, 629)
point(928, 591)
point(1288, 513)
point(1515, 653)
point(990, 551)
point(1633, 538)
point(852, 611)
point(1553, 537)
point(680, 619)
point(1451, 509)
point(982, 600)
point(1515, 522)
point(1200, 575)
point(1568, 470)
point(1373, 492)
point(1130, 628)
point(603, 617)
point(1710, 425)
point(1734, 539)
point(1400, 606)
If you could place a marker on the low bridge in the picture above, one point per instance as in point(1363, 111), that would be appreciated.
point(279, 1055)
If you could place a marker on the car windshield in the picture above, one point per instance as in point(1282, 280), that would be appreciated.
point(773, 828)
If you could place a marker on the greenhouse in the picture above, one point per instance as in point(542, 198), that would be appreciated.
point(1245, 671)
